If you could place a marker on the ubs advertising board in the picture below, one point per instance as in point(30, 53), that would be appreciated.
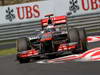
point(76, 7)
point(37, 10)
point(24, 12)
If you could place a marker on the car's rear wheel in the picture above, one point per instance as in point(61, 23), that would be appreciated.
point(78, 35)
point(83, 39)
point(74, 37)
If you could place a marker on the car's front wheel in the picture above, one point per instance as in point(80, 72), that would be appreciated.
point(22, 44)
point(24, 60)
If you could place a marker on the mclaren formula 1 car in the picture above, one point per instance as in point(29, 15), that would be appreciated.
point(51, 41)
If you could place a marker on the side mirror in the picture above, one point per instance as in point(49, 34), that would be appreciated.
point(69, 13)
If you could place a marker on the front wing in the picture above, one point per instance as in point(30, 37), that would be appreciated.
point(63, 48)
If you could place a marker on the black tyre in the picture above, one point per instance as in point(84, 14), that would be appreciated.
point(25, 60)
point(73, 35)
point(83, 39)
point(22, 44)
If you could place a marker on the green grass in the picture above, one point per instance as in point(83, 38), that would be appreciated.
point(7, 42)
point(7, 51)
point(93, 30)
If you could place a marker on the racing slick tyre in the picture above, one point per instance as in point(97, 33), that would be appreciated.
point(22, 44)
point(83, 39)
point(26, 60)
point(73, 35)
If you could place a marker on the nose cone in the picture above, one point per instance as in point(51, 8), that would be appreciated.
point(46, 36)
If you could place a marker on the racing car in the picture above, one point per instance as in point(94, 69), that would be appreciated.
point(51, 41)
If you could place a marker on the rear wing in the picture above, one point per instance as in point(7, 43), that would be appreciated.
point(56, 20)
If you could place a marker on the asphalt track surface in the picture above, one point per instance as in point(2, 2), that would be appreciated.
point(9, 66)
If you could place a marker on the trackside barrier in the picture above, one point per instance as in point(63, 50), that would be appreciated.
point(90, 22)
point(14, 31)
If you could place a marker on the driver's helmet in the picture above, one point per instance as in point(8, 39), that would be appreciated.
point(50, 28)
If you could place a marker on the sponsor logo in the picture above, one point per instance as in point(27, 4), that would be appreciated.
point(22, 12)
point(90, 4)
point(74, 6)
point(28, 12)
point(10, 14)
point(85, 5)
